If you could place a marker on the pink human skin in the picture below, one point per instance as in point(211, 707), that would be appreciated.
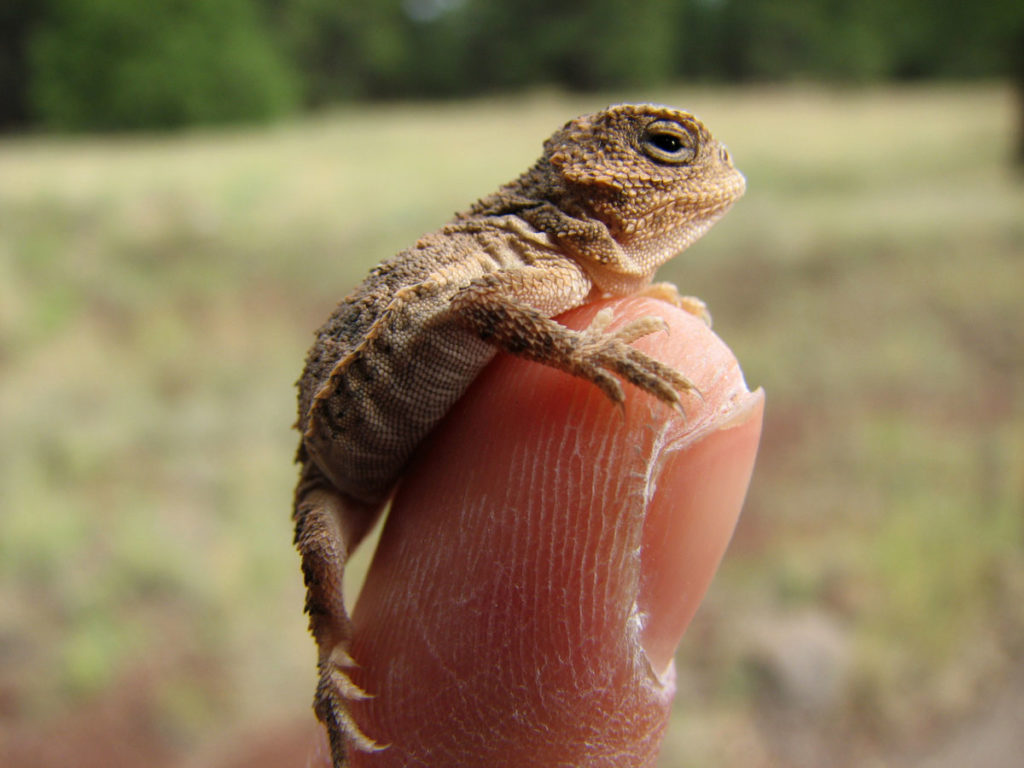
point(543, 558)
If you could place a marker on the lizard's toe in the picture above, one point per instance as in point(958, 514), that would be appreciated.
point(637, 329)
point(334, 691)
point(599, 324)
point(601, 351)
point(695, 307)
point(652, 376)
point(597, 332)
point(668, 293)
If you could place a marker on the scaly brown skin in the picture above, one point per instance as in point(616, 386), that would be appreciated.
point(614, 195)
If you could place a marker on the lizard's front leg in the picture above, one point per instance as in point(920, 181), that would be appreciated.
point(328, 526)
point(501, 308)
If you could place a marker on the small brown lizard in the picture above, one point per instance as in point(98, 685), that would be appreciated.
point(614, 195)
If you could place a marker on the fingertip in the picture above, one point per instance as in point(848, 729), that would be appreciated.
point(699, 490)
point(696, 471)
point(536, 545)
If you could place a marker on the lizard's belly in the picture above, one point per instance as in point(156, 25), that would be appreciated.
point(382, 401)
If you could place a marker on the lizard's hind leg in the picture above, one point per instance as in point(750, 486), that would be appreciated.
point(328, 525)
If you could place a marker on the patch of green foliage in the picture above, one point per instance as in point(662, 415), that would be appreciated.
point(123, 65)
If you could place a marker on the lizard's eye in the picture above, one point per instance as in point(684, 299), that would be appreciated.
point(668, 142)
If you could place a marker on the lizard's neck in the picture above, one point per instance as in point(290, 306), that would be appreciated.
point(538, 185)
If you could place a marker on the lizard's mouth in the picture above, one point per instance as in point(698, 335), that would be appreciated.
point(695, 212)
point(718, 198)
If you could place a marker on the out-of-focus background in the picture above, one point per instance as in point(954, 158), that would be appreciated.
point(186, 189)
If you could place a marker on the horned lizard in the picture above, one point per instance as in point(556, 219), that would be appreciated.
point(613, 196)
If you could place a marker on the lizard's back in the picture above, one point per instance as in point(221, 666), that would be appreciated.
point(391, 360)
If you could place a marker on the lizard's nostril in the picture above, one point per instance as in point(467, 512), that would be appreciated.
point(724, 154)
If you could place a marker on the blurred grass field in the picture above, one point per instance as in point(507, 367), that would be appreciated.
point(157, 296)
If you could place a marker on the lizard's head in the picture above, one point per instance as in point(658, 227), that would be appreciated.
point(655, 176)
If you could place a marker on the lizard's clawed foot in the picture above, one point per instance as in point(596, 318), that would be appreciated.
point(333, 693)
point(600, 352)
point(668, 293)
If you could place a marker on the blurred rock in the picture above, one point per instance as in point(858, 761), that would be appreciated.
point(800, 661)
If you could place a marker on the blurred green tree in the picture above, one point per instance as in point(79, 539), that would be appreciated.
point(18, 19)
point(343, 50)
point(122, 64)
point(580, 44)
